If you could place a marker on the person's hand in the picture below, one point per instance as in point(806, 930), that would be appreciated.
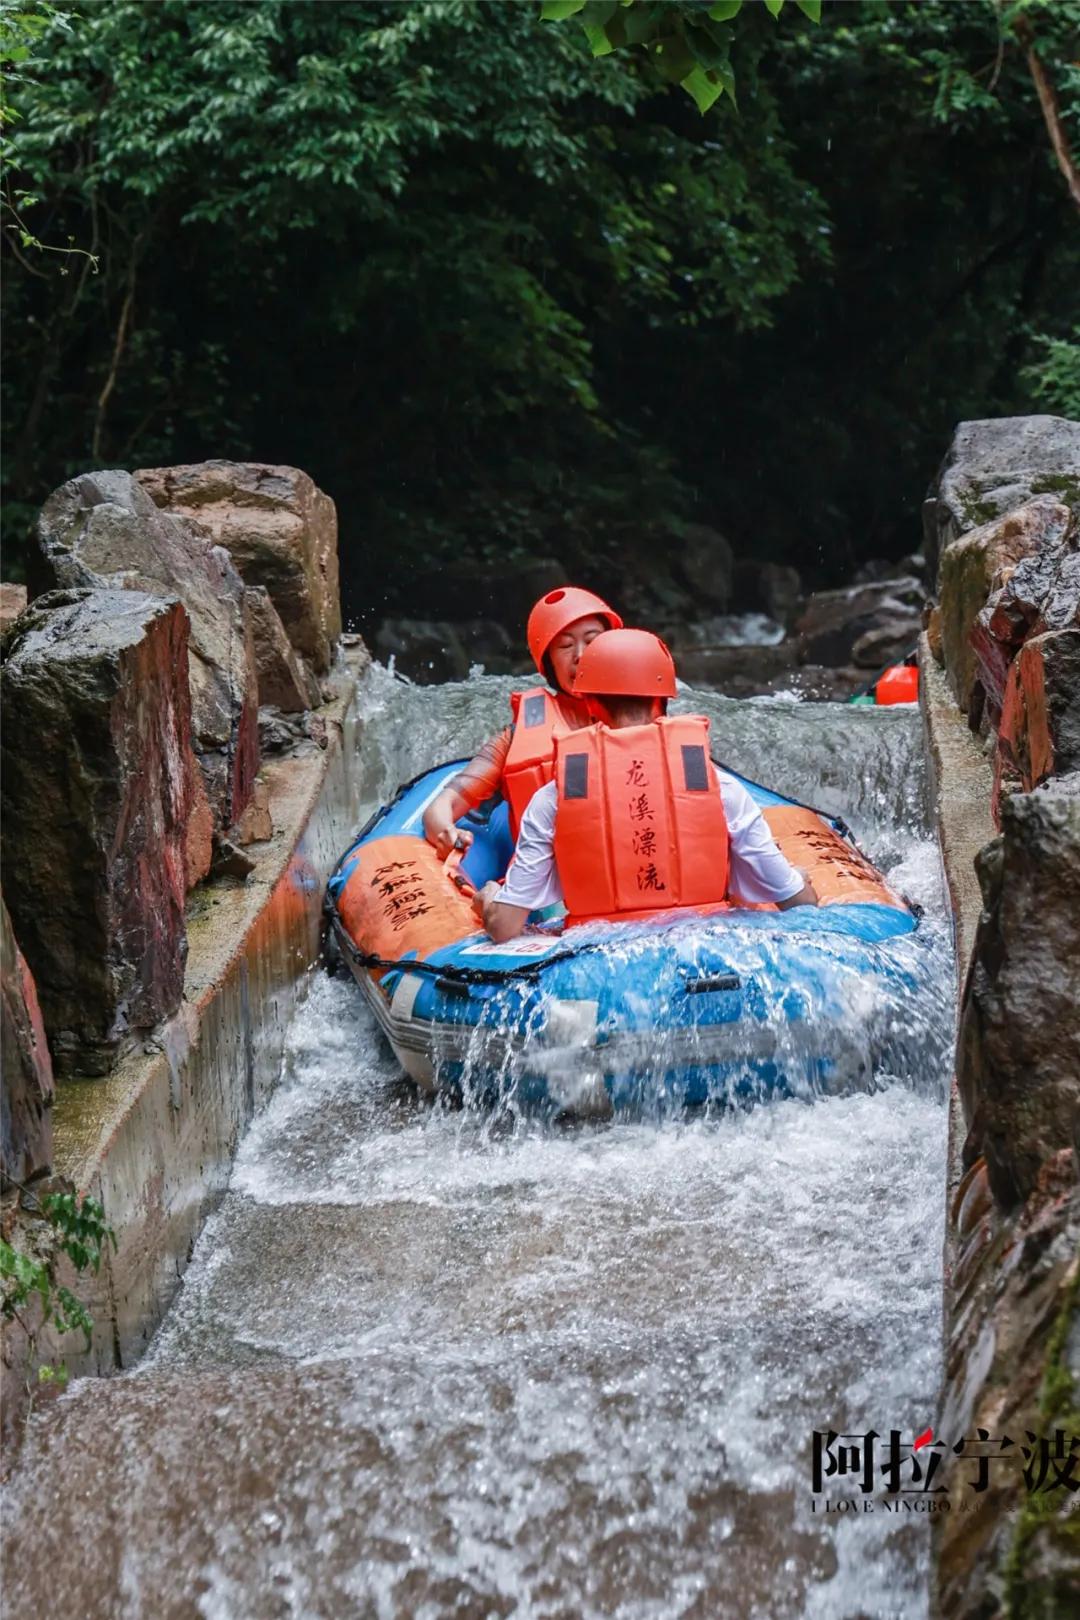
point(442, 834)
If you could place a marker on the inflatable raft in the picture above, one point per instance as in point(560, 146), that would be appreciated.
point(684, 1007)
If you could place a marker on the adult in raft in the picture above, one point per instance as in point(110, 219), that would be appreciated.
point(638, 818)
point(522, 757)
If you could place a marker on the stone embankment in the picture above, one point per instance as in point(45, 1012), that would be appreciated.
point(1001, 689)
point(179, 720)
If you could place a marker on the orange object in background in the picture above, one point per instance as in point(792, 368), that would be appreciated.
point(840, 873)
point(900, 684)
point(400, 897)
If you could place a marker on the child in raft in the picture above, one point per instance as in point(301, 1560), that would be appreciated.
point(520, 758)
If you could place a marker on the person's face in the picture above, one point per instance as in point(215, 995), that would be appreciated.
point(568, 647)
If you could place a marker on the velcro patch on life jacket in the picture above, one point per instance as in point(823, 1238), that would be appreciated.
point(695, 770)
point(576, 777)
point(534, 710)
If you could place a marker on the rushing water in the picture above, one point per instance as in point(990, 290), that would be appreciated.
point(429, 1364)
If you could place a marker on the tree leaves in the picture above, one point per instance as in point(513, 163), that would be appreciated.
point(686, 44)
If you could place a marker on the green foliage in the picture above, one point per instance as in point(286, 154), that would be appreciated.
point(1053, 376)
point(56, 1225)
point(500, 299)
point(686, 42)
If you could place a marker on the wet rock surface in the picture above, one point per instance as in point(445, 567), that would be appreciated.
point(992, 467)
point(977, 565)
point(1013, 1373)
point(868, 625)
point(280, 530)
point(103, 529)
point(98, 786)
point(285, 681)
point(1018, 1060)
point(27, 1091)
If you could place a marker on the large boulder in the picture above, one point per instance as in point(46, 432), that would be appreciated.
point(1039, 728)
point(995, 465)
point(27, 1091)
point(833, 623)
point(977, 565)
point(286, 682)
point(705, 563)
point(103, 529)
point(98, 786)
point(1018, 1058)
point(281, 532)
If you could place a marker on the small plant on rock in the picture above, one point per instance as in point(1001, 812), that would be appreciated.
point(53, 1224)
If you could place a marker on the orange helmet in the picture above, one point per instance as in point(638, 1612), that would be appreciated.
point(626, 663)
point(559, 609)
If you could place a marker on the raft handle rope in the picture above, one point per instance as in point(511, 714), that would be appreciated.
point(713, 981)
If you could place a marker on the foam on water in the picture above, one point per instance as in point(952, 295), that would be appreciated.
point(431, 1362)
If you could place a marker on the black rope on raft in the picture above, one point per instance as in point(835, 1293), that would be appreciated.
point(449, 970)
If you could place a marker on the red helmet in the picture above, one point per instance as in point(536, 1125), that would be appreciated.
point(626, 663)
point(559, 609)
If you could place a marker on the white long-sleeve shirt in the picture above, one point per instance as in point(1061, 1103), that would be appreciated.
point(757, 870)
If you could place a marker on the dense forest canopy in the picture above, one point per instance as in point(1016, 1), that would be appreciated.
point(504, 299)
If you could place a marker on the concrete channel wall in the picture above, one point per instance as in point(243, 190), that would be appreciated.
point(154, 1142)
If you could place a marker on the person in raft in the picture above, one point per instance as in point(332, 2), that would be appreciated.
point(522, 757)
point(633, 822)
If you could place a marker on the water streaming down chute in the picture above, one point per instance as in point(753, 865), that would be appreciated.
point(431, 1361)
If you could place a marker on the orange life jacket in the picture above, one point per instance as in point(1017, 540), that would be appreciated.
point(539, 717)
point(640, 824)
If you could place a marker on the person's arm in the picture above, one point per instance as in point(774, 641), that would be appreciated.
point(532, 880)
point(807, 895)
point(758, 870)
point(501, 920)
point(481, 779)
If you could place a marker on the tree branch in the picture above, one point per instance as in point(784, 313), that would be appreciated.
point(1051, 112)
point(118, 349)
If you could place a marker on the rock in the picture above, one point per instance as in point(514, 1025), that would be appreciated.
point(1039, 729)
point(781, 592)
point(977, 565)
point(1041, 593)
point(1010, 1371)
point(705, 563)
point(1018, 1058)
point(995, 465)
point(279, 529)
point(255, 825)
point(934, 639)
point(102, 528)
point(431, 650)
point(12, 603)
point(231, 862)
point(833, 621)
point(27, 1092)
point(98, 785)
point(285, 681)
point(889, 644)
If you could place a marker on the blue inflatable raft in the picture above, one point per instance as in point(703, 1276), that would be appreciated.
point(682, 1008)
